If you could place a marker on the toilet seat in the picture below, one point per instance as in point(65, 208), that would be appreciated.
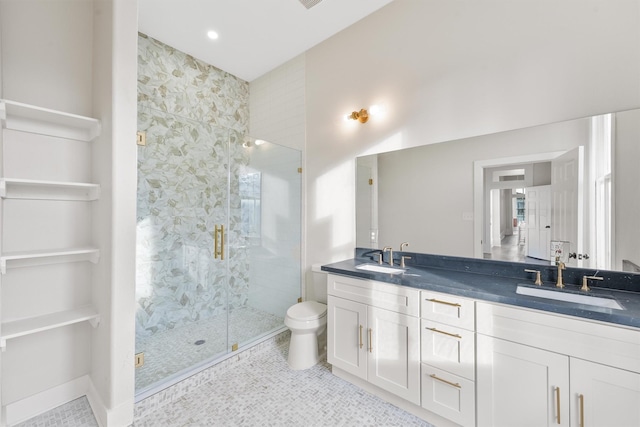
point(308, 310)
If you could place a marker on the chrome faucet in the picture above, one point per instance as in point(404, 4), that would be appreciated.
point(390, 250)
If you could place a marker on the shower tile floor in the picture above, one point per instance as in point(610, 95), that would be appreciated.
point(172, 351)
point(262, 391)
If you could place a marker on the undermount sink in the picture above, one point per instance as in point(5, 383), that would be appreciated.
point(379, 268)
point(569, 297)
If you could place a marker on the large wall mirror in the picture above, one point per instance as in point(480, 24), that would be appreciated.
point(566, 191)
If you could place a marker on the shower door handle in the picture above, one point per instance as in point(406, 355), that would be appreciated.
point(218, 244)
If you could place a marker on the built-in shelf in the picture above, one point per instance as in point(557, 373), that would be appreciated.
point(47, 190)
point(32, 258)
point(43, 121)
point(32, 325)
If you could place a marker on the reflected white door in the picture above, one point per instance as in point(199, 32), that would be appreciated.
point(567, 190)
point(537, 204)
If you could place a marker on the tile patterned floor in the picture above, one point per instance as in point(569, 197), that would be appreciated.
point(261, 390)
point(76, 413)
point(174, 351)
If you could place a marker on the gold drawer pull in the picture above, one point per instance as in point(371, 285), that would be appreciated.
point(453, 304)
point(360, 336)
point(558, 403)
point(435, 377)
point(370, 340)
point(446, 333)
point(581, 399)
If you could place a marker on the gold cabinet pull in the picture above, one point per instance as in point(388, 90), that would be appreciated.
point(435, 377)
point(218, 244)
point(581, 400)
point(361, 344)
point(558, 403)
point(453, 304)
point(445, 333)
point(370, 340)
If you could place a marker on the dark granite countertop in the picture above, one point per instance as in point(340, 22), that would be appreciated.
point(497, 281)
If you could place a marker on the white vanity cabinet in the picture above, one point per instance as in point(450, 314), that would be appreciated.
point(538, 369)
point(448, 356)
point(603, 396)
point(373, 333)
point(520, 385)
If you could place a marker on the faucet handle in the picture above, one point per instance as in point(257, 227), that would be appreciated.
point(390, 249)
point(402, 258)
point(538, 279)
point(585, 279)
point(379, 255)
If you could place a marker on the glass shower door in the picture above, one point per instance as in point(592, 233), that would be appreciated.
point(181, 284)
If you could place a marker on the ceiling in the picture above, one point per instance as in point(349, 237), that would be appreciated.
point(255, 36)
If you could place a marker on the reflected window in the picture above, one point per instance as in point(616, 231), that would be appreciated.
point(251, 214)
point(601, 149)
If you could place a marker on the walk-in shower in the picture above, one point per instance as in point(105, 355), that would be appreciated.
point(218, 243)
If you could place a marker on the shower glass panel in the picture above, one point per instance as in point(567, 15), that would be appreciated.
point(202, 294)
point(264, 245)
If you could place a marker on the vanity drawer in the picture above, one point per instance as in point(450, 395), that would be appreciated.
point(399, 299)
point(448, 395)
point(449, 348)
point(449, 309)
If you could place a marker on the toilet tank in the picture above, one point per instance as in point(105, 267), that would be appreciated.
point(317, 284)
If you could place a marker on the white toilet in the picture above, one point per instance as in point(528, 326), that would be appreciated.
point(307, 322)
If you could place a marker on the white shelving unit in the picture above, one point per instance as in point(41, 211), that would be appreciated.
point(33, 258)
point(43, 121)
point(11, 188)
point(32, 325)
point(16, 116)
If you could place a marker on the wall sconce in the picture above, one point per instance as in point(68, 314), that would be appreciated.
point(362, 116)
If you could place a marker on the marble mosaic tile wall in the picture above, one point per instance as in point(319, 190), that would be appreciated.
point(195, 116)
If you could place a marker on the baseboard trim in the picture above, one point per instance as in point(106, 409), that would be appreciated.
point(122, 415)
point(47, 400)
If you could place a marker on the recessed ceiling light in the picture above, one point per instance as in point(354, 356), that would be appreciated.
point(212, 35)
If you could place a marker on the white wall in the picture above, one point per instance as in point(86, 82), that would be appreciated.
point(115, 154)
point(276, 103)
point(626, 189)
point(45, 46)
point(447, 70)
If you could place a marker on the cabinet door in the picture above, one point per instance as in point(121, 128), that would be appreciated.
point(607, 396)
point(518, 385)
point(394, 353)
point(346, 335)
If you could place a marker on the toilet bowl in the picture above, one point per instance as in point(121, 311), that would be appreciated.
point(306, 320)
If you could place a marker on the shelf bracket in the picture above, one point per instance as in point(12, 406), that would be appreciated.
point(3, 111)
point(95, 322)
